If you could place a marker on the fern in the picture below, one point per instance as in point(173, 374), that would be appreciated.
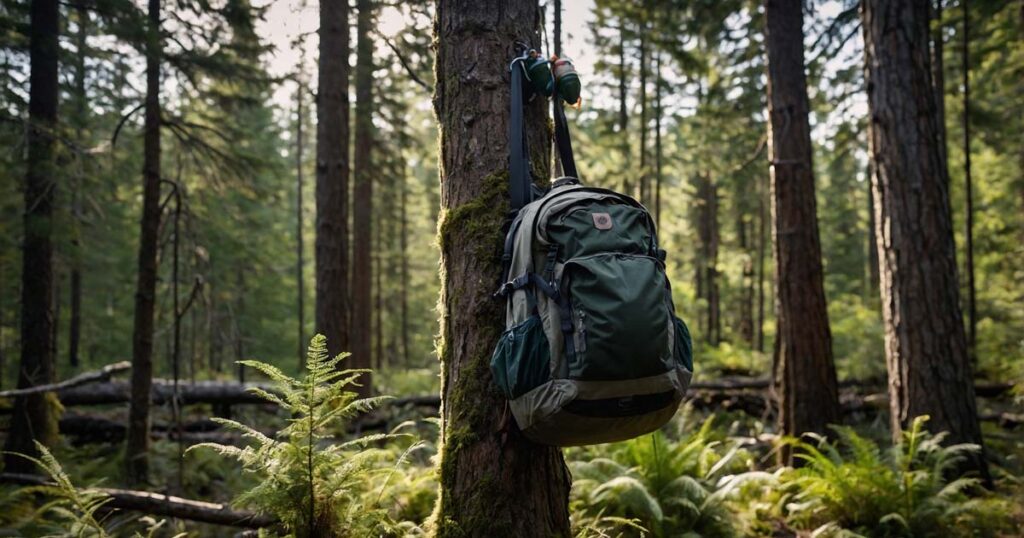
point(315, 487)
point(665, 487)
point(851, 486)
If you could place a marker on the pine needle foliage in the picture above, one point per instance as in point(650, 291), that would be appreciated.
point(316, 487)
point(851, 487)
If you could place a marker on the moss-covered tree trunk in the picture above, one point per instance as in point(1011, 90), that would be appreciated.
point(925, 343)
point(804, 374)
point(33, 418)
point(494, 482)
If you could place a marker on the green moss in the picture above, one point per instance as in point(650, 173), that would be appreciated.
point(476, 225)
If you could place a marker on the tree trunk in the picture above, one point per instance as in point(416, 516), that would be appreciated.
point(972, 309)
point(925, 344)
point(34, 416)
point(762, 241)
point(75, 321)
point(707, 273)
point(746, 324)
point(332, 287)
point(493, 482)
point(404, 269)
point(300, 281)
point(872, 257)
point(362, 230)
point(938, 76)
point(803, 371)
point(644, 178)
point(623, 111)
point(137, 441)
point(657, 141)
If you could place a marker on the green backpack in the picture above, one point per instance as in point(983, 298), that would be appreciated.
point(593, 351)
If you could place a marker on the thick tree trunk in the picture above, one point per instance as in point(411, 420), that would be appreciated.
point(493, 482)
point(137, 443)
point(34, 417)
point(925, 344)
point(362, 208)
point(332, 138)
point(804, 373)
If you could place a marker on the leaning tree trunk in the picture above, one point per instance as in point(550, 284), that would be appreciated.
point(332, 300)
point(34, 416)
point(804, 373)
point(362, 208)
point(137, 440)
point(925, 344)
point(493, 482)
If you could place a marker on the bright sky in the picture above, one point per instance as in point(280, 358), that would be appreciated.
point(288, 19)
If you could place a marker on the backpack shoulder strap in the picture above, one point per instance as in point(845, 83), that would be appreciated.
point(563, 142)
point(519, 164)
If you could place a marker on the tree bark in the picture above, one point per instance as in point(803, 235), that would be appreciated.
point(644, 177)
point(623, 111)
point(803, 371)
point(362, 209)
point(972, 309)
point(493, 482)
point(34, 417)
point(332, 167)
point(925, 344)
point(938, 76)
point(75, 321)
point(300, 261)
point(657, 140)
point(762, 241)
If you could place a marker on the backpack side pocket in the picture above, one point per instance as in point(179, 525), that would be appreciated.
point(522, 358)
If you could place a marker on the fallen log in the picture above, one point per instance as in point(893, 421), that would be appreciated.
point(162, 505)
point(103, 374)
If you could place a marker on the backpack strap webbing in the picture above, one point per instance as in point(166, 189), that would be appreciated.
point(520, 190)
point(563, 142)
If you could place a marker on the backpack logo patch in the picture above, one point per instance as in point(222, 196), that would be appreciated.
point(602, 221)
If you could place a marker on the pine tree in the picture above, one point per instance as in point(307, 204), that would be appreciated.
point(803, 371)
point(925, 344)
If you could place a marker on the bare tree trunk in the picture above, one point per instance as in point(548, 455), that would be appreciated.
point(762, 242)
point(623, 111)
point(300, 281)
point(925, 344)
point(938, 75)
point(75, 322)
point(485, 462)
point(362, 230)
point(644, 177)
point(34, 417)
point(332, 139)
point(404, 269)
point(657, 141)
point(803, 372)
point(137, 439)
point(972, 309)
point(746, 325)
point(707, 273)
point(873, 275)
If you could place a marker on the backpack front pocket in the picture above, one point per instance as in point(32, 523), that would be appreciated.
point(522, 358)
point(619, 307)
